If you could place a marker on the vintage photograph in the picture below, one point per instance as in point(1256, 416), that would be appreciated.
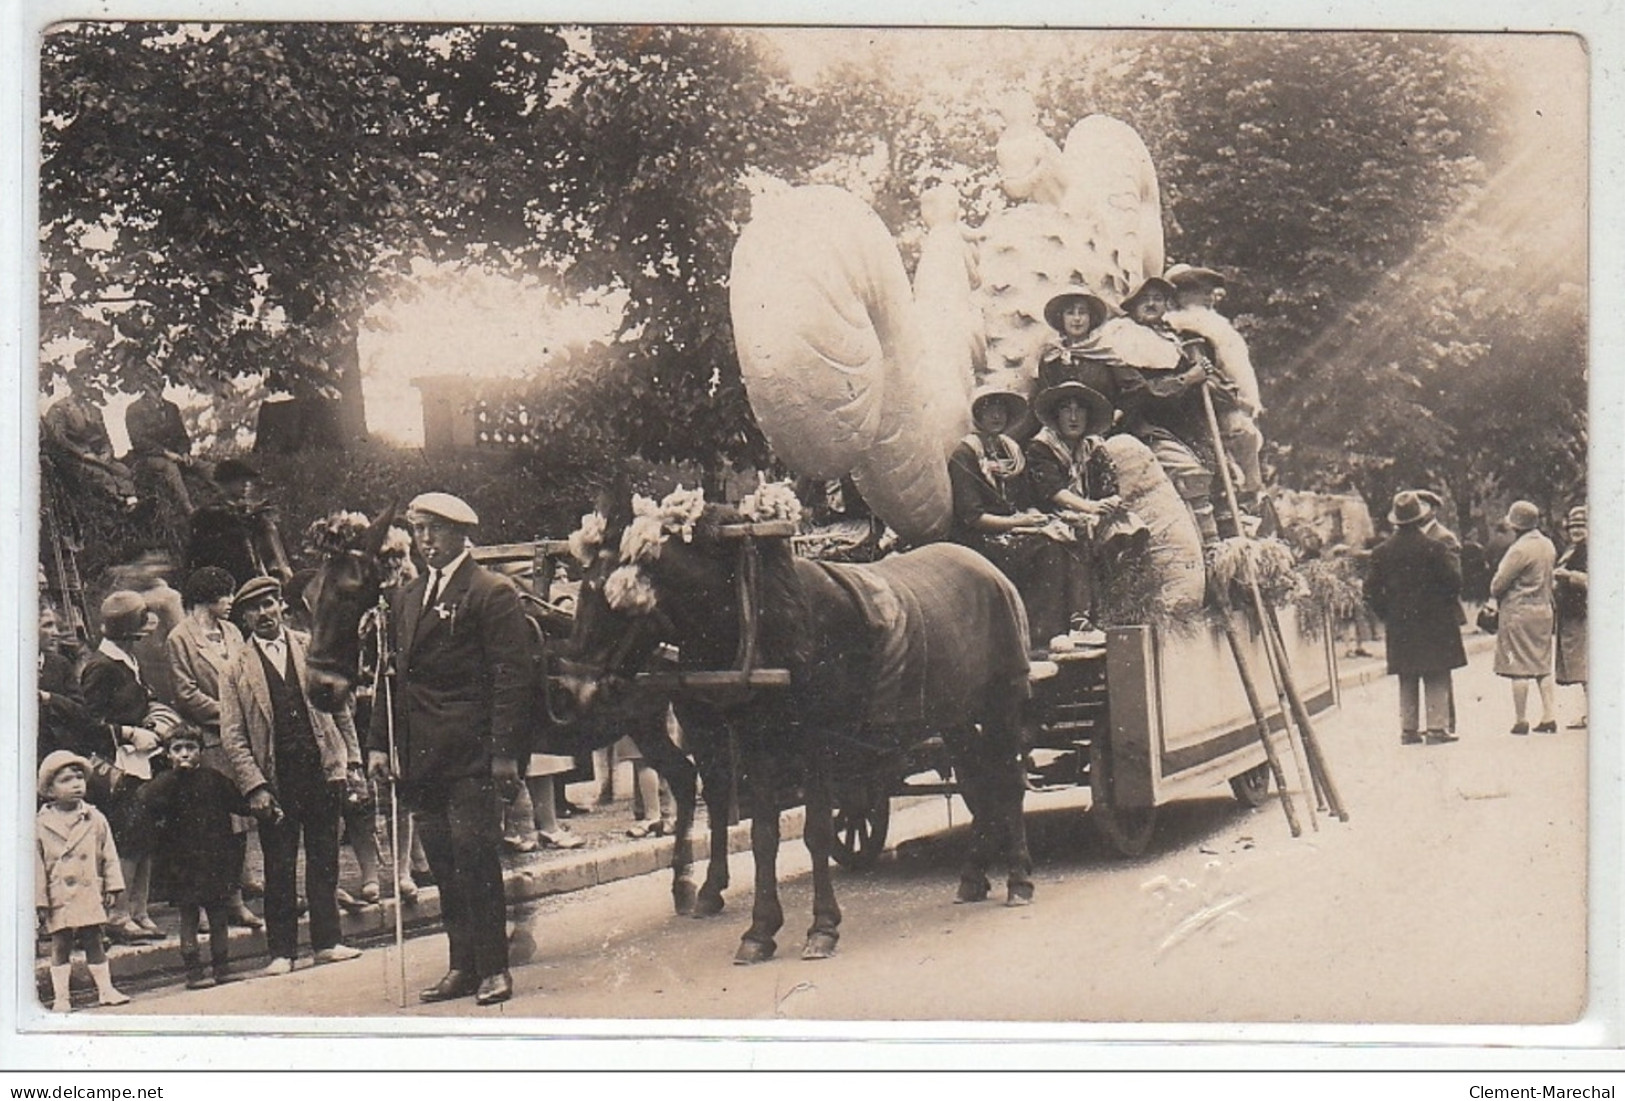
point(971, 527)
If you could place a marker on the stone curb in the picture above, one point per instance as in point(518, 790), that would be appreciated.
point(150, 965)
point(153, 964)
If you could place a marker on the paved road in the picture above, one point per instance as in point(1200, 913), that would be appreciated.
point(1456, 894)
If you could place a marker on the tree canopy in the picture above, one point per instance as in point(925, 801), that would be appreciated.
point(227, 200)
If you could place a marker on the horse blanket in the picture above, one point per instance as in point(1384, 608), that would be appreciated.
point(944, 626)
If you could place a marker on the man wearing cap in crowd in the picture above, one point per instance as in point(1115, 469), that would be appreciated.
point(463, 679)
point(1521, 594)
point(1237, 404)
point(1413, 584)
point(291, 760)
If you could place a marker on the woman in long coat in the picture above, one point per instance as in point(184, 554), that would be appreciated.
point(1569, 592)
point(1413, 584)
point(1521, 591)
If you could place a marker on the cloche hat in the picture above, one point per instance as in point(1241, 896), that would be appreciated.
point(1523, 516)
point(125, 615)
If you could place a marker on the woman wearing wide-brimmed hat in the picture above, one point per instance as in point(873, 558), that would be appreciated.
point(1521, 593)
point(1413, 583)
point(1076, 315)
point(1570, 591)
point(1070, 473)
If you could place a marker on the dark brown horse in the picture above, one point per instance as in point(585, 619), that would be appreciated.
point(348, 585)
point(879, 656)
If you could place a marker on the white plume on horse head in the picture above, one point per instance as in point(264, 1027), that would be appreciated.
point(585, 541)
point(628, 589)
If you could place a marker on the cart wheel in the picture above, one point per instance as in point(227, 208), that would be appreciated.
point(1253, 786)
point(860, 826)
point(1127, 830)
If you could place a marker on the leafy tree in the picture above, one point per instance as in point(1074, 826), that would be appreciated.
point(224, 201)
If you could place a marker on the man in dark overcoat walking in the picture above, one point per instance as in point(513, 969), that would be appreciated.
point(461, 696)
point(1414, 586)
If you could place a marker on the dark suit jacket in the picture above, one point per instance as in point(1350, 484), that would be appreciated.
point(1414, 584)
point(64, 720)
point(113, 692)
point(464, 677)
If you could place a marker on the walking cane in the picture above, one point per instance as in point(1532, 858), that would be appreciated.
point(1275, 661)
point(383, 690)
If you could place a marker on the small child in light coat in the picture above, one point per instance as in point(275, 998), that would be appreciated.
point(76, 876)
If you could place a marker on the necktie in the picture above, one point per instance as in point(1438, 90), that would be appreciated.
point(434, 589)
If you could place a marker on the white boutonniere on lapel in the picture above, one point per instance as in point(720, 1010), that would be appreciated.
point(447, 613)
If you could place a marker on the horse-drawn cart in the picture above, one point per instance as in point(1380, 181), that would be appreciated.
point(1156, 715)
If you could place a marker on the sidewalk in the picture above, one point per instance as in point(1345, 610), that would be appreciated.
point(607, 856)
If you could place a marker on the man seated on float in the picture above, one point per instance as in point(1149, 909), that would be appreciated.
point(1236, 399)
point(991, 513)
point(1157, 383)
point(1070, 475)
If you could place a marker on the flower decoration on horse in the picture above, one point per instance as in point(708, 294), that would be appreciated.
point(628, 588)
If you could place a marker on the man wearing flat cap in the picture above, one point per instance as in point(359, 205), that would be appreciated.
point(292, 761)
point(463, 679)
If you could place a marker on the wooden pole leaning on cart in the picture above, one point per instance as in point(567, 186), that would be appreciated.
point(383, 692)
point(1259, 720)
point(1274, 643)
point(1272, 659)
point(1317, 761)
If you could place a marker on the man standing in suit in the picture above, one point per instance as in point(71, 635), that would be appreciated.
point(291, 760)
point(1414, 585)
point(461, 646)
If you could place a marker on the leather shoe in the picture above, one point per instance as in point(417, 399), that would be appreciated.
point(455, 984)
point(244, 918)
point(494, 988)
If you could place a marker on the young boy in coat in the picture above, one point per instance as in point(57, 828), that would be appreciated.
point(76, 876)
point(189, 815)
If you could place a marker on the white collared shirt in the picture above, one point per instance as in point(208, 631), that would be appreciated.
point(275, 651)
point(113, 650)
point(438, 578)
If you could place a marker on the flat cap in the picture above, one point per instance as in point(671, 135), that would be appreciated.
point(1187, 275)
point(445, 506)
point(254, 588)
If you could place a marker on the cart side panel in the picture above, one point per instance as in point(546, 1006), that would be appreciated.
point(1136, 714)
point(1211, 734)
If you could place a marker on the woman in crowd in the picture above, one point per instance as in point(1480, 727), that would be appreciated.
point(1570, 591)
point(200, 647)
point(1521, 593)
